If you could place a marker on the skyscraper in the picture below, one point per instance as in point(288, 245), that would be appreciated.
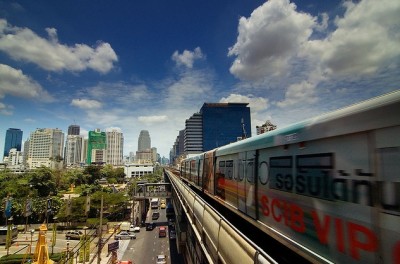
point(73, 150)
point(193, 134)
point(74, 130)
point(144, 142)
point(224, 123)
point(13, 140)
point(97, 144)
point(46, 147)
point(115, 147)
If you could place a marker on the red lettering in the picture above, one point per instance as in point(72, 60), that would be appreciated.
point(297, 219)
point(339, 234)
point(286, 213)
point(276, 203)
point(264, 205)
point(367, 242)
point(396, 253)
point(322, 229)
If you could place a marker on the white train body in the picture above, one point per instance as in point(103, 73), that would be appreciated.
point(328, 187)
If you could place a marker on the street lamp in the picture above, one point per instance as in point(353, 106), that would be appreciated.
point(30, 248)
point(84, 244)
point(54, 238)
point(67, 257)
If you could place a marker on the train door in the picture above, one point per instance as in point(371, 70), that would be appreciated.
point(200, 172)
point(246, 183)
point(208, 179)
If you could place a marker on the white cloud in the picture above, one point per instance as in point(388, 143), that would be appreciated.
point(268, 39)
point(25, 45)
point(131, 93)
point(187, 57)
point(153, 119)
point(86, 103)
point(14, 82)
point(255, 103)
point(191, 87)
point(300, 93)
point(366, 39)
point(5, 109)
point(276, 47)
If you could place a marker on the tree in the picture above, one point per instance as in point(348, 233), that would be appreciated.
point(43, 180)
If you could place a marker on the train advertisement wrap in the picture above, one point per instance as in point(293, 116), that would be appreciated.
point(328, 186)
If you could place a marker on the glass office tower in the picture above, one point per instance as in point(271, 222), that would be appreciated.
point(224, 123)
point(13, 140)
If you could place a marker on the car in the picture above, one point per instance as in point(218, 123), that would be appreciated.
point(163, 206)
point(162, 201)
point(172, 234)
point(125, 262)
point(162, 231)
point(124, 235)
point(161, 259)
point(73, 235)
point(155, 215)
point(150, 226)
point(136, 229)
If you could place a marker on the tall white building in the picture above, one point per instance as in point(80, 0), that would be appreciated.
point(144, 141)
point(46, 147)
point(193, 135)
point(115, 147)
point(73, 150)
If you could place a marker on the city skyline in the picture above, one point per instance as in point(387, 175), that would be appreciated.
point(150, 65)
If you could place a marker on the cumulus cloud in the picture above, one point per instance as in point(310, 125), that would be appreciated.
point(255, 103)
point(268, 39)
point(277, 41)
point(187, 58)
point(152, 119)
point(25, 45)
point(366, 39)
point(14, 82)
point(303, 92)
point(86, 103)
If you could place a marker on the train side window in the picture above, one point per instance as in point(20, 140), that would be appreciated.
point(389, 171)
point(250, 171)
point(281, 177)
point(229, 169)
point(241, 170)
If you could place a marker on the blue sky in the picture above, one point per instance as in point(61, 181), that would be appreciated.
point(149, 65)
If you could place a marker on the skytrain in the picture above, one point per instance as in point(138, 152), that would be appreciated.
point(328, 187)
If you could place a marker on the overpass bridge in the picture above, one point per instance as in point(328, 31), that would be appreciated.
point(204, 235)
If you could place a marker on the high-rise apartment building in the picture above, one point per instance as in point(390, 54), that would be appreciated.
point(115, 147)
point(73, 150)
point(224, 123)
point(96, 150)
point(46, 147)
point(13, 140)
point(74, 130)
point(193, 134)
point(144, 141)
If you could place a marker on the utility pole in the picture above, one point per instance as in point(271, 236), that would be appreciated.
point(100, 244)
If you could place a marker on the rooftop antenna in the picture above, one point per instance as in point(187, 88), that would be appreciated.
point(244, 135)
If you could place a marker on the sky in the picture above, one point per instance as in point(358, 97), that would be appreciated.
point(150, 65)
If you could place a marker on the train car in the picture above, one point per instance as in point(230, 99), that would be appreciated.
point(328, 186)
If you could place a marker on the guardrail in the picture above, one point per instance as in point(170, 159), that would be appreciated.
point(219, 240)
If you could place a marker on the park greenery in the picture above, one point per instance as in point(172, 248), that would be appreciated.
point(68, 190)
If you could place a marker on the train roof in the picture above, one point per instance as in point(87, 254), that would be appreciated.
point(378, 112)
